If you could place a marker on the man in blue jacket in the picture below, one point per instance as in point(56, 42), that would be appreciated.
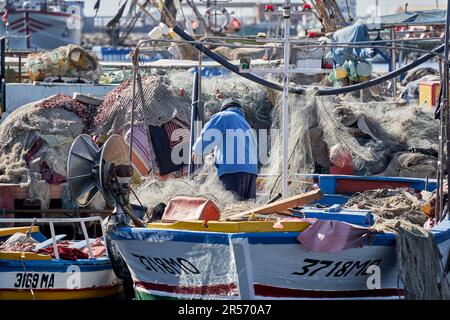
point(230, 137)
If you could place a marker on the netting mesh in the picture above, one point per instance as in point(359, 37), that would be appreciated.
point(376, 132)
point(37, 137)
point(162, 103)
point(420, 268)
point(205, 183)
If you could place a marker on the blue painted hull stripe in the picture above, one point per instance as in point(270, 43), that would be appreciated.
point(139, 234)
point(127, 233)
point(53, 266)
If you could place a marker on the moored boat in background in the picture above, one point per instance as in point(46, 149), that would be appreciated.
point(40, 24)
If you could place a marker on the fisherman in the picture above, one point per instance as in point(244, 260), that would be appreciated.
point(233, 142)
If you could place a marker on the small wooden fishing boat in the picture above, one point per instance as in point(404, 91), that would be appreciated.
point(43, 271)
point(258, 260)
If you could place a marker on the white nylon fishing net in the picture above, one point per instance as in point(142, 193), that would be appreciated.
point(49, 126)
point(376, 132)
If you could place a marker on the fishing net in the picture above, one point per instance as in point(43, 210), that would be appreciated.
point(205, 183)
point(420, 268)
point(400, 204)
point(412, 165)
point(35, 140)
point(254, 98)
point(162, 104)
point(400, 211)
point(69, 61)
point(378, 133)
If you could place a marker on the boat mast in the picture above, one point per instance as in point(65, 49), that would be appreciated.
point(287, 27)
point(27, 28)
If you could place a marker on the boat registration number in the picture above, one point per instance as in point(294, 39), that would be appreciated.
point(335, 268)
point(32, 280)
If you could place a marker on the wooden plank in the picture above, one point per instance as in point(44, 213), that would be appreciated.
point(10, 231)
point(282, 205)
point(87, 98)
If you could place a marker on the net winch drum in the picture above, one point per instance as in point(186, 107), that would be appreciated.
point(92, 170)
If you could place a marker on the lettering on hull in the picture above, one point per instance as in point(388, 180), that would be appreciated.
point(175, 266)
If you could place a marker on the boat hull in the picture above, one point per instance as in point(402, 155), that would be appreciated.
point(188, 260)
point(57, 279)
point(206, 265)
point(46, 30)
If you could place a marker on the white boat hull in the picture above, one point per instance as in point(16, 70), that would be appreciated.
point(202, 265)
point(40, 30)
point(55, 280)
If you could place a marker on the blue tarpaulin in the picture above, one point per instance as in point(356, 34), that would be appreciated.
point(428, 17)
point(415, 18)
point(351, 34)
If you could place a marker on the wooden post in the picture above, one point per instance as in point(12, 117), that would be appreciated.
point(393, 63)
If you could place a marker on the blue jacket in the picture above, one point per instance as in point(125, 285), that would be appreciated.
point(233, 141)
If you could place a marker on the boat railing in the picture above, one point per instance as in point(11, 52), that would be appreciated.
point(52, 221)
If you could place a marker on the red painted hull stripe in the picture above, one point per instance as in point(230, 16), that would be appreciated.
point(220, 289)
point(37, 27)
point(13, 24)
point(269, 291)
point(25, 30)
point(18, 23)
point(40, 22)
point(19, 26)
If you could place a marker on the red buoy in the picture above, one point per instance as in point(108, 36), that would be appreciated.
point(235, 24)
point(268, 7)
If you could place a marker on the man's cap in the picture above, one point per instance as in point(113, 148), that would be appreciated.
point(229, 103)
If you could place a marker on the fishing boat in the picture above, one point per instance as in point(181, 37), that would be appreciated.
point(41, 24)
point(325, 249)
point(51, 270)
point(258, 260)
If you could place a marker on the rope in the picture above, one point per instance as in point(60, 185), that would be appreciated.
point(22, 256)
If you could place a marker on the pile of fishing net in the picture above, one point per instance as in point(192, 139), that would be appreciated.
point(162, 103)
point(254, 98)
point(204, 184)
point(69, 61)
point(35, 140)
point(400, 203)
point(382, 137)
point(379, 134)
